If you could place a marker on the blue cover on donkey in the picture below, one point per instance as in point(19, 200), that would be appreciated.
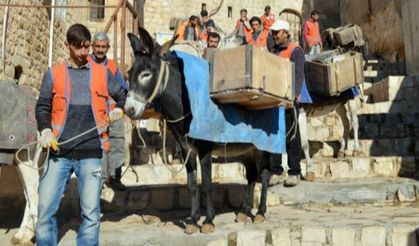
point(227, 123)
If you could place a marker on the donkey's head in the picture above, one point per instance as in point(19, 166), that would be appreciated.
point(144, 73)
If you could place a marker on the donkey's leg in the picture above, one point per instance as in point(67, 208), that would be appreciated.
point(344, 116)
point(260, 216)
point(353, 111)
point(192, 227)
point(302, 124)
point(206, 173)
point(251, 176)
point(30, 181)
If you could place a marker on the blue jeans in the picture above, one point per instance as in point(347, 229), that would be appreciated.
point(51, 189)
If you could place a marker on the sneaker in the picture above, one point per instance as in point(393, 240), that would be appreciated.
point(277, 179)
point(292, 180)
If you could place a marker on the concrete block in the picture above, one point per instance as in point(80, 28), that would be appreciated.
point(406, 193)
point(343, 236)
point(236, 195)
point(385, 167)
point(139, 200)
point(281, 237)
point(361, 167)
point(373, 236)
point(340, 169)
point(162, 198)
point(251, 237)
point(313, 235)
point(404, 235)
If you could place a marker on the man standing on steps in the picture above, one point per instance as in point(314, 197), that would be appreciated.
point(112, 161)
point(73, 101)
point(311, 33)
point(286, 48)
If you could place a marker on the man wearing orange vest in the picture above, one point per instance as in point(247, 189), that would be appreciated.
point(287, 49)
point(267, 19)
point(242, 27)
point(72, 101)
point(188, 30)
point(311, 33)
point(114, 159)
point(258, 37)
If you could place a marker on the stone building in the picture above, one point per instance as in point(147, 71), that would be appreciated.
point(27, 39)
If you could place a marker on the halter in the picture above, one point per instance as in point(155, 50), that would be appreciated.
point(164, 69)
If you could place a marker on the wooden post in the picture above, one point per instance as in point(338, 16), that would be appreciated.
point(123, 32)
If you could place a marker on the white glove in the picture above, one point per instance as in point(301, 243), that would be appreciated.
point(115, 114)
point(48, 140)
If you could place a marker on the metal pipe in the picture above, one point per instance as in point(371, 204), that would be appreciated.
point(3, 44)
point(56, 6)
point(51, 34)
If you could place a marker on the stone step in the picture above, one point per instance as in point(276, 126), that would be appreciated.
point(394, 88)
point(284, 226)
point(367, 167)
point(405, 106)
point(370, 147)
point(324, 168)
point(373, 191)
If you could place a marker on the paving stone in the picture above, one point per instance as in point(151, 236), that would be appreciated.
point(251, 237)
point(313, 235)
point(281, 237)
point(404, 235)
point(343, 236)
point(373, 236)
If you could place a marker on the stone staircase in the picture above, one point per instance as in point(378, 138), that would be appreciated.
point(369, 200)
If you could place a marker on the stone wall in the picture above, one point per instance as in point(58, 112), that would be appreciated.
point(27, 41)
point(381, 22)
point(159, 12)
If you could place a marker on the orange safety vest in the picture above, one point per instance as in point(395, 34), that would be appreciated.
point(245, 30)
point(203, 36)
point(261, 41)
point(62, 94)
point(267, 22)
point(182, 29)
point(111, 65)
point(312, 33)
point(288, 51)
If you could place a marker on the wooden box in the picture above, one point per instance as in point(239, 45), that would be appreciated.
point(348, 34)
point(252, 77)
point(336, 75)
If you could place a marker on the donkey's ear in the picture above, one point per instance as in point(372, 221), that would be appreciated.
point(146, 39)
point(135, 43)
point(166, 46)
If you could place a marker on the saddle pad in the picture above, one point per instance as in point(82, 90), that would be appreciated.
point(227, 123)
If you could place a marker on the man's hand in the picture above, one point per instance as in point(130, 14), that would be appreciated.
point(48, 140)
point(115, 114)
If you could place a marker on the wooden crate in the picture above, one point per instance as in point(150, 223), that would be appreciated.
point(348, 34)
point(332, 78)
point(251, 77)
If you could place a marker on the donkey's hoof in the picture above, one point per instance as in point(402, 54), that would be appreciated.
point(340, 154)
point(309, 176)
point(241, 218)
point(191, 229)
point(259, 219)
point(357, 153)
point(207, 228)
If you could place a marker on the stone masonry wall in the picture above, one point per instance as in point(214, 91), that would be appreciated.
point(159, 12)
point(27, 41)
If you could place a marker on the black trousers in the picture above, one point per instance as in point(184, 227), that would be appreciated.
point(293, 146)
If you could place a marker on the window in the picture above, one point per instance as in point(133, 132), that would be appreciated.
point(97, 10)
point(203, 6)
point(230, 12)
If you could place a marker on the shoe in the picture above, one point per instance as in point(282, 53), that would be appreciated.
point(277, 179)
point(115, 182)
point(292, 180)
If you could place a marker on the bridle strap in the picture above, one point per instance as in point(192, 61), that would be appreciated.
point(164, 70)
